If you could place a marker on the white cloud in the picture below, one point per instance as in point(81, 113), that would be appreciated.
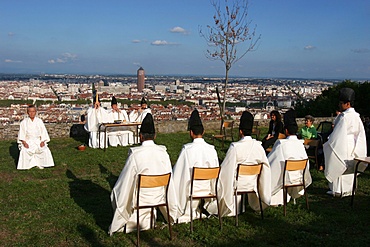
point(309, 48)
point(65, 58)
point(136, 63)
point(361, 50)
point(178, 30)
point(12, 61)
point(136, 41)
point(10, 34)
point(162, 43)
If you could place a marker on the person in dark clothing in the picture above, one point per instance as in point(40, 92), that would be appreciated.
point(275, 127)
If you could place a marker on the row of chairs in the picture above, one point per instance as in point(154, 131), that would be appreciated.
point(200, 173)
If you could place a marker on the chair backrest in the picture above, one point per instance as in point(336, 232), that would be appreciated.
point(248, 169)
point(205, 173)
point(295, 165)
point(152, 181)
point(228, 124)
point(312, 142)
point(281, 136)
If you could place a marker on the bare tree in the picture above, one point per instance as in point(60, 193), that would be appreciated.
point(229, 39)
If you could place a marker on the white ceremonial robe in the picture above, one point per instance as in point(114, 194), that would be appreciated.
point(195, 154)
point(33, 132)
point(138, 117)
point(120, 135)
point(290, 148)
point(148, 158)
point(346, 142)
point(245, 151)
point(94, 118)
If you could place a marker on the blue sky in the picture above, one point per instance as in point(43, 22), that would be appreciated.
point(305, 39)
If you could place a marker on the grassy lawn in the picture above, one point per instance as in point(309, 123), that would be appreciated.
point(69, 205)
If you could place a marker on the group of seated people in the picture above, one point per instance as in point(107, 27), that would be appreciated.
point(199, 153)
point(118, 136)
point(345, 143)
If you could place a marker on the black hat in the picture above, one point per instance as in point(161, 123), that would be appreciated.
point(194, 120)
point(114, 101)
point(289, 118)
point(246, 121)
point(147, 126)
point(94, 96)
point(143, 101)
point(347, 95)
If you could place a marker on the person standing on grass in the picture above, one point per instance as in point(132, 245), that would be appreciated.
point(149, 158)
point(346, 142)
point(95, 116)
point(245, 151)
point(290, 148)
point(32, 142)
point(195, 154)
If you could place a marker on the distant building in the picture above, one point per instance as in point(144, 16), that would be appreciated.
point(140, 79)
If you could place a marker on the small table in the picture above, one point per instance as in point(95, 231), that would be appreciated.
point(359, 160)
point(114, 125)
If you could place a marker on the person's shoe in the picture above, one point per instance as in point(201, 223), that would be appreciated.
point(40, 167)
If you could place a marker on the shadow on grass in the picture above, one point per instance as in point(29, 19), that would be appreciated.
point(14, 152)
point(92, 198)
point(89, 235)
point(111, 179)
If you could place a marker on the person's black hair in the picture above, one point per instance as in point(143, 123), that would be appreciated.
point(147, 136)
point(197, 130)
point(292, 129)
point(246, 132)
point(277, 115)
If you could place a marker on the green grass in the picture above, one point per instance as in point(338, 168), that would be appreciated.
point(69, 205)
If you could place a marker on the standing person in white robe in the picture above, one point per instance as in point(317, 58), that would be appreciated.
point(290, 148)
point(32, 139)
point(96, 115)
point(195, 154)
point(245, 151)
point(119, 135)
point(139, 115)
point(346, 142)
point(148, 158)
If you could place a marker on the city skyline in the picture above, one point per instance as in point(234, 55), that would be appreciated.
point(315, 39)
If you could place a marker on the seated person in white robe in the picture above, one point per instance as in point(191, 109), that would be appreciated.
point(250, 152)
point(139, 115)
point(148, 158)
point(119, 135)
point(32, 139)
point(195, 154)
point(346, 142)
point(290, 148)
point(96, 115)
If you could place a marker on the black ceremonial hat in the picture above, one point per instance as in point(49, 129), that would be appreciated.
point(147, 126)
point(289, 118)
point(114, 101)
point(194, 120)
point(246, 121)
point(143, 101)
point(347, 95)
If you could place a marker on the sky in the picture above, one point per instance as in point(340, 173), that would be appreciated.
point(323, 39)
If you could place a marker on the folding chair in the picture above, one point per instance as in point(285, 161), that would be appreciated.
point(312, 152)
point(202, 173)
point(152, 181)
point(227, 130)
point(294, 165)
point(247, 170)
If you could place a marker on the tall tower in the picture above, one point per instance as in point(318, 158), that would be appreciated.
point(140, 79)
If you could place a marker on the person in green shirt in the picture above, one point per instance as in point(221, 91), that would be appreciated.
point(308, 131)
